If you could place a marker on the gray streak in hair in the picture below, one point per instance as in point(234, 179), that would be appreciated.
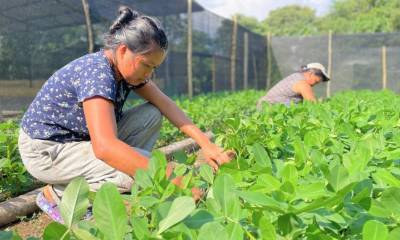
point(139, 32)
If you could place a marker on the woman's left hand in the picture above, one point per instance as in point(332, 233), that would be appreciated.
point(215, 156)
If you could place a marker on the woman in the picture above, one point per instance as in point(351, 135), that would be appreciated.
point(297, 86)
point(75, 126)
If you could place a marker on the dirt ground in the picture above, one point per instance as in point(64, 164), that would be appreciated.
point(32, 226)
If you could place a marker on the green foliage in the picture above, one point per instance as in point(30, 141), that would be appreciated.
point(291, 20)
point(13, 176)
point(324, 170)
point(345, 16)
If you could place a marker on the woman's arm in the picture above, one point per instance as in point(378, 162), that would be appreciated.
point(305, 90)
point(100, 119)
point(214, 155)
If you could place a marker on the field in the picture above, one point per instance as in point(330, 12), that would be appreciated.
point(328, 170)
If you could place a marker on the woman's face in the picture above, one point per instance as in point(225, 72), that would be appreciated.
point(313, 78)
point(136, 68)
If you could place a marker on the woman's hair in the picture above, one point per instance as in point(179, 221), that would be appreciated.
point(138, 32)
point(317, 72)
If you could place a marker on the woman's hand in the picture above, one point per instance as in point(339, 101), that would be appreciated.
point(215, 156)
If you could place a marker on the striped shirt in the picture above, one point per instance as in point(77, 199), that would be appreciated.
point(283, 92)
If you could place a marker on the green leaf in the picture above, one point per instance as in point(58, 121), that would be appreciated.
point(378, 209)
point(223, 192)
point(261, 156)
point(181, 208)
point(311, 191)
point(157, 162)
point(83, 234)
point(285, 224)
point(206, 173)
point(180, 157)
point(262, 200)
point(55, 230)
point(74, 202)
point(140, 227)
point(391, 197)
point(267, 229)
point(301, 155)
point(213, 231)
point(326, 202)
point(386, 177)
point(109, 212)
point(198, 219)
point(270, 182)
point(289, 173)
point(374, 230)
point(394, 234)
point(235, 231)
point(338, 177)
point(143, 179)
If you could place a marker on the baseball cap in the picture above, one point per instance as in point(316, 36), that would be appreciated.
point(320, 67)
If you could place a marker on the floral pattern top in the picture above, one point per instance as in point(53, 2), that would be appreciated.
point(56, 113)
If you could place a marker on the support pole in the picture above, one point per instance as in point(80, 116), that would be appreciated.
point(189, 50)
point(384, 68)
point(269, 61)
point(246, 60)
point(89, 28)
point(255, 71)
point(233, 54)
point(214, 73)
point(328, 84)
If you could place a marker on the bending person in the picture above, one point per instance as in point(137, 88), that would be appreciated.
point(297, 86)
point(75, 126)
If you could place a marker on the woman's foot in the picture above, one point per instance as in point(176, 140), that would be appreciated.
point(51, 209)
point(45, 201)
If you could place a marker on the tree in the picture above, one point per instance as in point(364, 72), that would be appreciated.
point(250, 23)
point(291, 20)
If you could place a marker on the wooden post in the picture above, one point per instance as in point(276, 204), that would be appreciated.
point(245, 60)
point(189, 50)
point(214, 73)
point(233, 54)
point(328, 84)
point(255, 71)
point(89, 28)
point(384, 68)
point(269, 61)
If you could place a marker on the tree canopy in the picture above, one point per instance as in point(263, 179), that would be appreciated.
point(345, 16)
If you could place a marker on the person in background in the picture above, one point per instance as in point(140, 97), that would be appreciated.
point(76, 125)
point(297, 86)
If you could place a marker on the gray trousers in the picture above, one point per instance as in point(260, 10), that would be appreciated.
point(58, 163)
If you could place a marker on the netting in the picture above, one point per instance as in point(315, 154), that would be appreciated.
point(357, 59)
point(37, 37)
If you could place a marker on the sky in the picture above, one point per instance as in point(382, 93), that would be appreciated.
point(259, 8)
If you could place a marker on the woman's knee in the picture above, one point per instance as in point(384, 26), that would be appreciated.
point(153, 115)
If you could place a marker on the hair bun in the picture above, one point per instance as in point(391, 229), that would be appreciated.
point(126, 15)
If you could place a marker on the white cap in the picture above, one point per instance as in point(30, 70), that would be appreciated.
point(318, 66)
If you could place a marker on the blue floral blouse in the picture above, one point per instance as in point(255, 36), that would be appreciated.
point(56, 113)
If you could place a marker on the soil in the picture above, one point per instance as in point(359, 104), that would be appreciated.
point(32, 226)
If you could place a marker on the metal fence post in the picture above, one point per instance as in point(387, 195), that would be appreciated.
point(269, 61)
point(384, 68)
point(189, 50)
point(328, 84)
point(245, 60)
point(89, 28)
point(233, 54)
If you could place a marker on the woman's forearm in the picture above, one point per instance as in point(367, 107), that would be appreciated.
point(178, 118)
point(121, 156)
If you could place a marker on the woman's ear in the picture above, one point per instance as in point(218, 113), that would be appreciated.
point(121, 50)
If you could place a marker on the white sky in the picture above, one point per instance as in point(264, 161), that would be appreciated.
point(259, 8)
